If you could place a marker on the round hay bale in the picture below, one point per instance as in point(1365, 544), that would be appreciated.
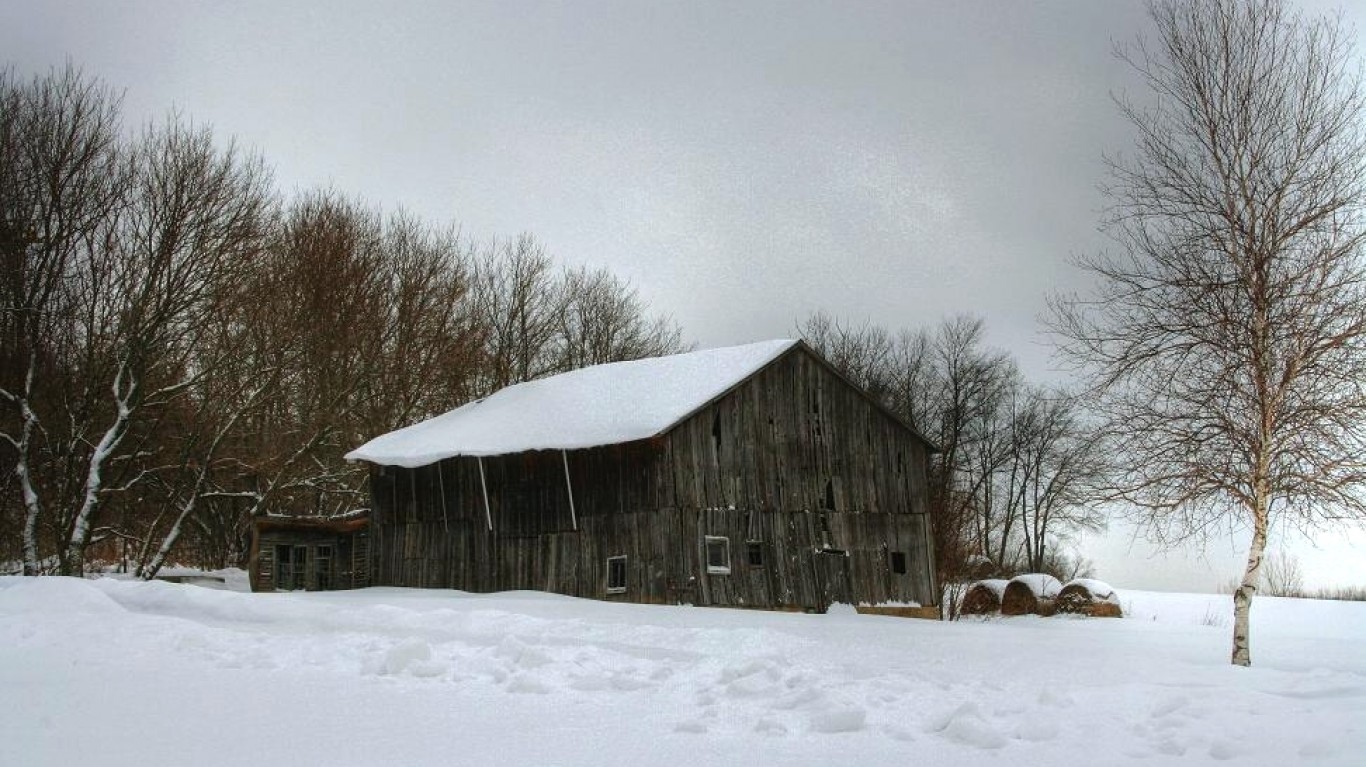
point(1032, 593)
point(983, 598)
point(1087, 596)
point(979, 567)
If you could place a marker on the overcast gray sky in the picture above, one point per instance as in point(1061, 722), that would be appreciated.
point(743, 164)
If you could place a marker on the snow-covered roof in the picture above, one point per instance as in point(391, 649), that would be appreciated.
point(599, 405)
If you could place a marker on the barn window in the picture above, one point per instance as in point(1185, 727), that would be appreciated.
point(322, 568)
point(718, 555)
point(754, 553)
point(898, 562)
point(616, 575)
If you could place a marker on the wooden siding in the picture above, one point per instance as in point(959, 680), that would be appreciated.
point(794, 458)
point(350, 565)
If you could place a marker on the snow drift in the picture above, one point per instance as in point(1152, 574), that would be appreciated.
point(130, 673)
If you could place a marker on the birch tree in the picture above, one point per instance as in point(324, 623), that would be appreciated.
point(193, 221)
point(62, 178)
point(1225, 338)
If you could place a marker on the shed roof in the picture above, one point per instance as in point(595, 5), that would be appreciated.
point(599, 405)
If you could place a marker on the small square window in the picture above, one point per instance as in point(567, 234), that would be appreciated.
point(616, 575)
point(718, 555)
point(898, 562)
point(754, 553)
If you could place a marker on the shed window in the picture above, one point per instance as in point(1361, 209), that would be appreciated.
point(898, 562)
point(754, 553)
point(322, 568)
point(290, 567)
point(616, 575)
point(718, 555)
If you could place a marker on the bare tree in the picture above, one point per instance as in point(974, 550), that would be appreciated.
point(1281, 575)
point(519, 303)
point(865, 353)
point(361, 324)
point(1016, 467)
point(1063, 467)
point(193, 218)
point(62, 177)
point(1226, 337)
point(603, 319)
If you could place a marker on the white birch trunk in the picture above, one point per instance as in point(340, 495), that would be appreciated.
point(149, 571)
point(32, 505)
point(109, 442)
point(1242, 597)
point(32, 511)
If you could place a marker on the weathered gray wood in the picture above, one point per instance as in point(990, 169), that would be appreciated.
point(791, 452)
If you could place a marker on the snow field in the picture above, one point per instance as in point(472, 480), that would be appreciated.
point(120, 672)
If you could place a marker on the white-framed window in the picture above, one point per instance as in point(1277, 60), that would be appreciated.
point(718, 554)
point(616, 575)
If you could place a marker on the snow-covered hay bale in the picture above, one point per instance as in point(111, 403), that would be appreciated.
point(983, 597)
point(1031, 593)
point(1088, 596)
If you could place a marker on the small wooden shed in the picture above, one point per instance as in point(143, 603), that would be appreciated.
point(310, 553)
point(754, 476)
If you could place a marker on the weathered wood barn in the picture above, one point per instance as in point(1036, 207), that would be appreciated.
point(753, 476)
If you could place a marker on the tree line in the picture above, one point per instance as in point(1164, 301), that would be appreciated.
point(1019, 467)
point(182, 347)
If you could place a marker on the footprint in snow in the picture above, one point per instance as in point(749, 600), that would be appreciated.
point(1169, 706)
point(965, 725)
point(413, 657)
point(846, 719)
point(1055, 698)
point(1223, 750)
point(525, 684)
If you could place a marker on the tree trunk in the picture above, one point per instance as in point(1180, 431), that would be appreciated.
point(1242, 598)
point(23, 470)
point(73, 563)
point(32, 510)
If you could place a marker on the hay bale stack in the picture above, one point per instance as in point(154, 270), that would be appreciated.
point(1088, 596)
point(1034, 593)
point(983, 598)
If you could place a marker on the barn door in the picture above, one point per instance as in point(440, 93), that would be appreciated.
point(831, 569)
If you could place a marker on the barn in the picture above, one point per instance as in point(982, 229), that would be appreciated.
point(747, 476)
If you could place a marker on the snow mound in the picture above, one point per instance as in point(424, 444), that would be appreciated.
point(997, 586)
point(1098, 589)
point(966, 726)
point(20, 596)
point(598, 405)
point(1041, 585)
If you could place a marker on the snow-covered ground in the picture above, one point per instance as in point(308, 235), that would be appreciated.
point(113, 672)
